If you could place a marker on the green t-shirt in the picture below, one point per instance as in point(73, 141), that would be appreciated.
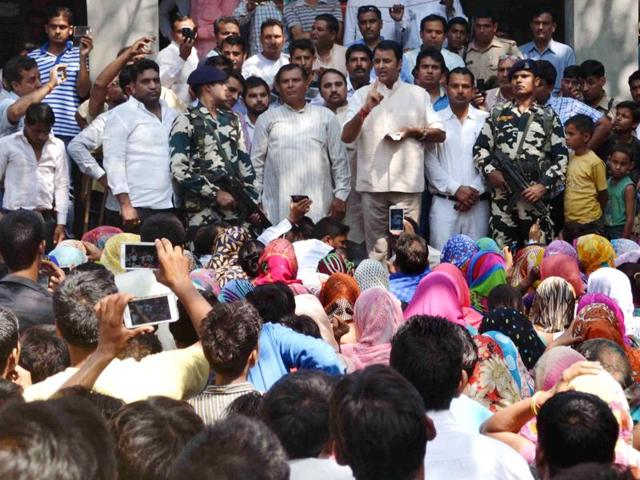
point(615, 213)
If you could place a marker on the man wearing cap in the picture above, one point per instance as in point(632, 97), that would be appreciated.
point(207, 145)
point(531, 136)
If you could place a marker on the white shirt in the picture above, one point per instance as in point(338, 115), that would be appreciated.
point(318, 469)
point(32, 183)
point(260, 66)
point(450, 163)
point(80, 149)
point(457, 453)
point(451, 61)
point(136, 154)
point(404, 31)
point(174, 71)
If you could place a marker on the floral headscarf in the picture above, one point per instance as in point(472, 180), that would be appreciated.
point(624, 245)
point(485, 271)
point(526, 260)
point(552, 363)
point(560, 247)
point(563, 266)
point(205, 280)
point(519, 329)
point(371, 273)
point(553, 305)
point(458, 250)
point(224, 259)
point(99, 236)
point(335, 262)
point(338, 296)
point(594, 252)
point(377, 316)
point(597, 306)
point(278, 263)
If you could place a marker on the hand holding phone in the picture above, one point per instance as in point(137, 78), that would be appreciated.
point(396, 220)
point(151, 310)
point(139, 255)
point(113, 336)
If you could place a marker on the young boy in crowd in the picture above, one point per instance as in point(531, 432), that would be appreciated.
point(586, 190)
point(625, 122)
point(621, 205)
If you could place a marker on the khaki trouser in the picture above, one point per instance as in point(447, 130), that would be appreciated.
point(375, 210)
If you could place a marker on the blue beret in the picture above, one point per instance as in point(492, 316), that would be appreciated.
point(528, 65)
point(205, 74)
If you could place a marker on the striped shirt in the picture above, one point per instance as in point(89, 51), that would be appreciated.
point(301, 14)
point(64, 99)
point(210, 405)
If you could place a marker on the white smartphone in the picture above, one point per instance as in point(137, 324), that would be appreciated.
point(151, 310)
point(139, 255)
point(396, 220)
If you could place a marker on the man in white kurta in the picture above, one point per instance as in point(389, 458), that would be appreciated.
point(296, 150)
point(389, 120)
point(460, 201)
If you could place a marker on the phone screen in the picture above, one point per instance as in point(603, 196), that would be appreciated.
point(79, 32)
point(149, 310)
point(396, 219)
point(298, 198)
point(141, 256)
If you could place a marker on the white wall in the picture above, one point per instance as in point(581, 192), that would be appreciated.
point(118, 23)
point(606, 30)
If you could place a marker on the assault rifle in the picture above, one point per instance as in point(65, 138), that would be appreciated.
point(245, 204)
point(516, 182)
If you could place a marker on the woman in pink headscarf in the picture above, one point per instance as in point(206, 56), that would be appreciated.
point(377, 315)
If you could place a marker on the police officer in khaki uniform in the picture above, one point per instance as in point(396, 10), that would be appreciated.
point(486, 49)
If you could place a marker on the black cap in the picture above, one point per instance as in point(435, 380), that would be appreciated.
point(205, 74)
point(528, 65)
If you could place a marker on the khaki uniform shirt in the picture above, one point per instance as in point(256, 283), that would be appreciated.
point(484, 62)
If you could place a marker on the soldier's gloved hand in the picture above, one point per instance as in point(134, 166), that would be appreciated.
point(225, 200)
point(496, 180)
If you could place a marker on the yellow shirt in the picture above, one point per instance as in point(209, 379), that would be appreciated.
point(586, 176)
point(177, 374)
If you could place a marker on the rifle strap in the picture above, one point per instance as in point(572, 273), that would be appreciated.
point(524, 136)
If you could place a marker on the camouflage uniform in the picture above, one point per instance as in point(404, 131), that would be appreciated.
point(543, 159)
point(196, 162)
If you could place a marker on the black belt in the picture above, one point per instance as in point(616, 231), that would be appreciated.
point(483, 196)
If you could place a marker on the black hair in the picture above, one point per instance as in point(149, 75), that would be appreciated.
point(576, 427)
point(234, 448)
point(42, 352)
point(595, 471)
point(271, 22)
point(142, 66)
point(249, 405)
point(182, 330)
point(546, 72)
point(469, 350)
point(412, 254)
point(21, 233)
point(150, 434)
point(583, 123)
point(8, 335)
point(541, 9)
point(433, 18)
point(74, 302)
point(611, 356)
point(229, 334)
point(331, 21)
point(505, 296)
point(303, 324)
point(273, 301)
point(459, 21)
point(328, 226)
point(163, 225)
point(632, 271)
point(462, 71)
point(369, 9)
point(62, 438)
point(357, 47)
point(235, 40)
point(39, 113)
point(634, 77)
point(390, 45)
point(419, 344)
point(485, 12)
point(253, 82)
point(378, 403)
point(296, 408)
point(222, 21)
point(14, 69)
point(248, 257)
point(180, 18)
point(290, 67)
point(592, 68)
point(304, 228)
point(107, 405)
point(220, 62)
point(126, 76)
point(573, 71)
point(204, 237)
point(10, 392)
point(334, 71)
point(302, 44)
point(633, 107)
point(622, 148)
point(54, 11)
point(141, 346)
point(433, 54)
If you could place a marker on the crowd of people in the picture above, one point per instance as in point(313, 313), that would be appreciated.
point(399, 246)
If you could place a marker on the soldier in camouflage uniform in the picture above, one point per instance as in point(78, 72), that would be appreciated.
point(542, 159)
point(206, 145)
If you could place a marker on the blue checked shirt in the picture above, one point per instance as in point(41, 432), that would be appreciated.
point(566, 107)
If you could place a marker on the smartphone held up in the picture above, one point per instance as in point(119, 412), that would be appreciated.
point(151, 310)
